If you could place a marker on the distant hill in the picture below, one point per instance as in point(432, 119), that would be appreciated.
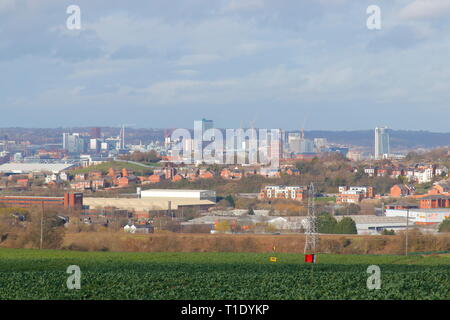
point(399, 139)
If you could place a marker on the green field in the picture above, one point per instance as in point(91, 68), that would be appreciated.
point(35, 274)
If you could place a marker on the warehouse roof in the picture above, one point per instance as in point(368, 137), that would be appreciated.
point(18, 167)
point(145, 204)
point(173, 190)
point(364, 219)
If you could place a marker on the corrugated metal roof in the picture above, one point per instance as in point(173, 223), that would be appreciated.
point(144, 204)
point(15, 167)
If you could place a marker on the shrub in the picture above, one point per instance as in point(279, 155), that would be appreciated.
point(346, 226)
point(326, 223)
point(445, 226)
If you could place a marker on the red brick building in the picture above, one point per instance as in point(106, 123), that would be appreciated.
point(69, 200)
point(435, 202)
point(402, 190)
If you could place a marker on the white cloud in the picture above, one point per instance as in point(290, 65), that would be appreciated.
point(187, 72)
point(6, 5)
point(233, 5)
point(419, 9)
point(197, 59)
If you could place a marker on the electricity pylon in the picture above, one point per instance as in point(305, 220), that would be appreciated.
point(311, 235)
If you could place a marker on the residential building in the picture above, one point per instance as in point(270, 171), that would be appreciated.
point(298, 193)
point(354, 194)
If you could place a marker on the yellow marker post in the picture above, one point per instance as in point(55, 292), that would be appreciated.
point(273, 259)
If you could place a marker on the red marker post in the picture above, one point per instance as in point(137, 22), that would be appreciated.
point(311, 258)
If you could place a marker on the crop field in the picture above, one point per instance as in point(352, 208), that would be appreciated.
point(36, 274)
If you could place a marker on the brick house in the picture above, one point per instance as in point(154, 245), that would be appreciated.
point(127, 172)
point(125, 181)
point(231, 174)
point(402, 190)
point(177, 177)
point(206, 175)
point(113, 172)
point(155, 178)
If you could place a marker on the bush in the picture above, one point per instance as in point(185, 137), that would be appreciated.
point(326, 223)
point(445, 226)
point(230, 200)
point(52, 231)
point(346, 226)
point(387, 232)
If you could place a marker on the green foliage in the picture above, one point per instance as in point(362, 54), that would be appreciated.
point(144, 157)
point(230, 200)
point(387, 232)
point(445, 226)
point(313, 167)
point(250, 212)
point(41, 274)
point(346, 226)
point(326, 223)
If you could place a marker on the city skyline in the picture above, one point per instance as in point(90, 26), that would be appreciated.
point(299, 64)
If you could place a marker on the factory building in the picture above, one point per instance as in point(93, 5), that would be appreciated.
point(177, 194)
point(68, 201)
point(420, 216)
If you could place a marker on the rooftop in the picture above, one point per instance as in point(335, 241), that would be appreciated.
point(18, 167)
point(144, 204)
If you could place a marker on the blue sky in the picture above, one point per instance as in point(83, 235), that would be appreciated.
point(288, 64)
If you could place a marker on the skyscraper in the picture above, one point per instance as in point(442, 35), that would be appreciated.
point(74, 143)
point(200, 127)
point(382, 147)
point(207, 124)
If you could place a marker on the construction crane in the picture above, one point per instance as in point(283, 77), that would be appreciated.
point(121, 136)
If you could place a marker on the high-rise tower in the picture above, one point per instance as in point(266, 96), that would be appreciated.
point(382, 147)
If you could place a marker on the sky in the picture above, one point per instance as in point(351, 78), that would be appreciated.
point(289, 64)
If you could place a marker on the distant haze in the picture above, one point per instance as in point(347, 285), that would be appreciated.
point(363, 138)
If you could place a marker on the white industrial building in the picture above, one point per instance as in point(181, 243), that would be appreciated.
point(19, 167)
point(421, 216)
point(365, 224)
point(179, 193)
point(370, 224)
point(280, 223)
